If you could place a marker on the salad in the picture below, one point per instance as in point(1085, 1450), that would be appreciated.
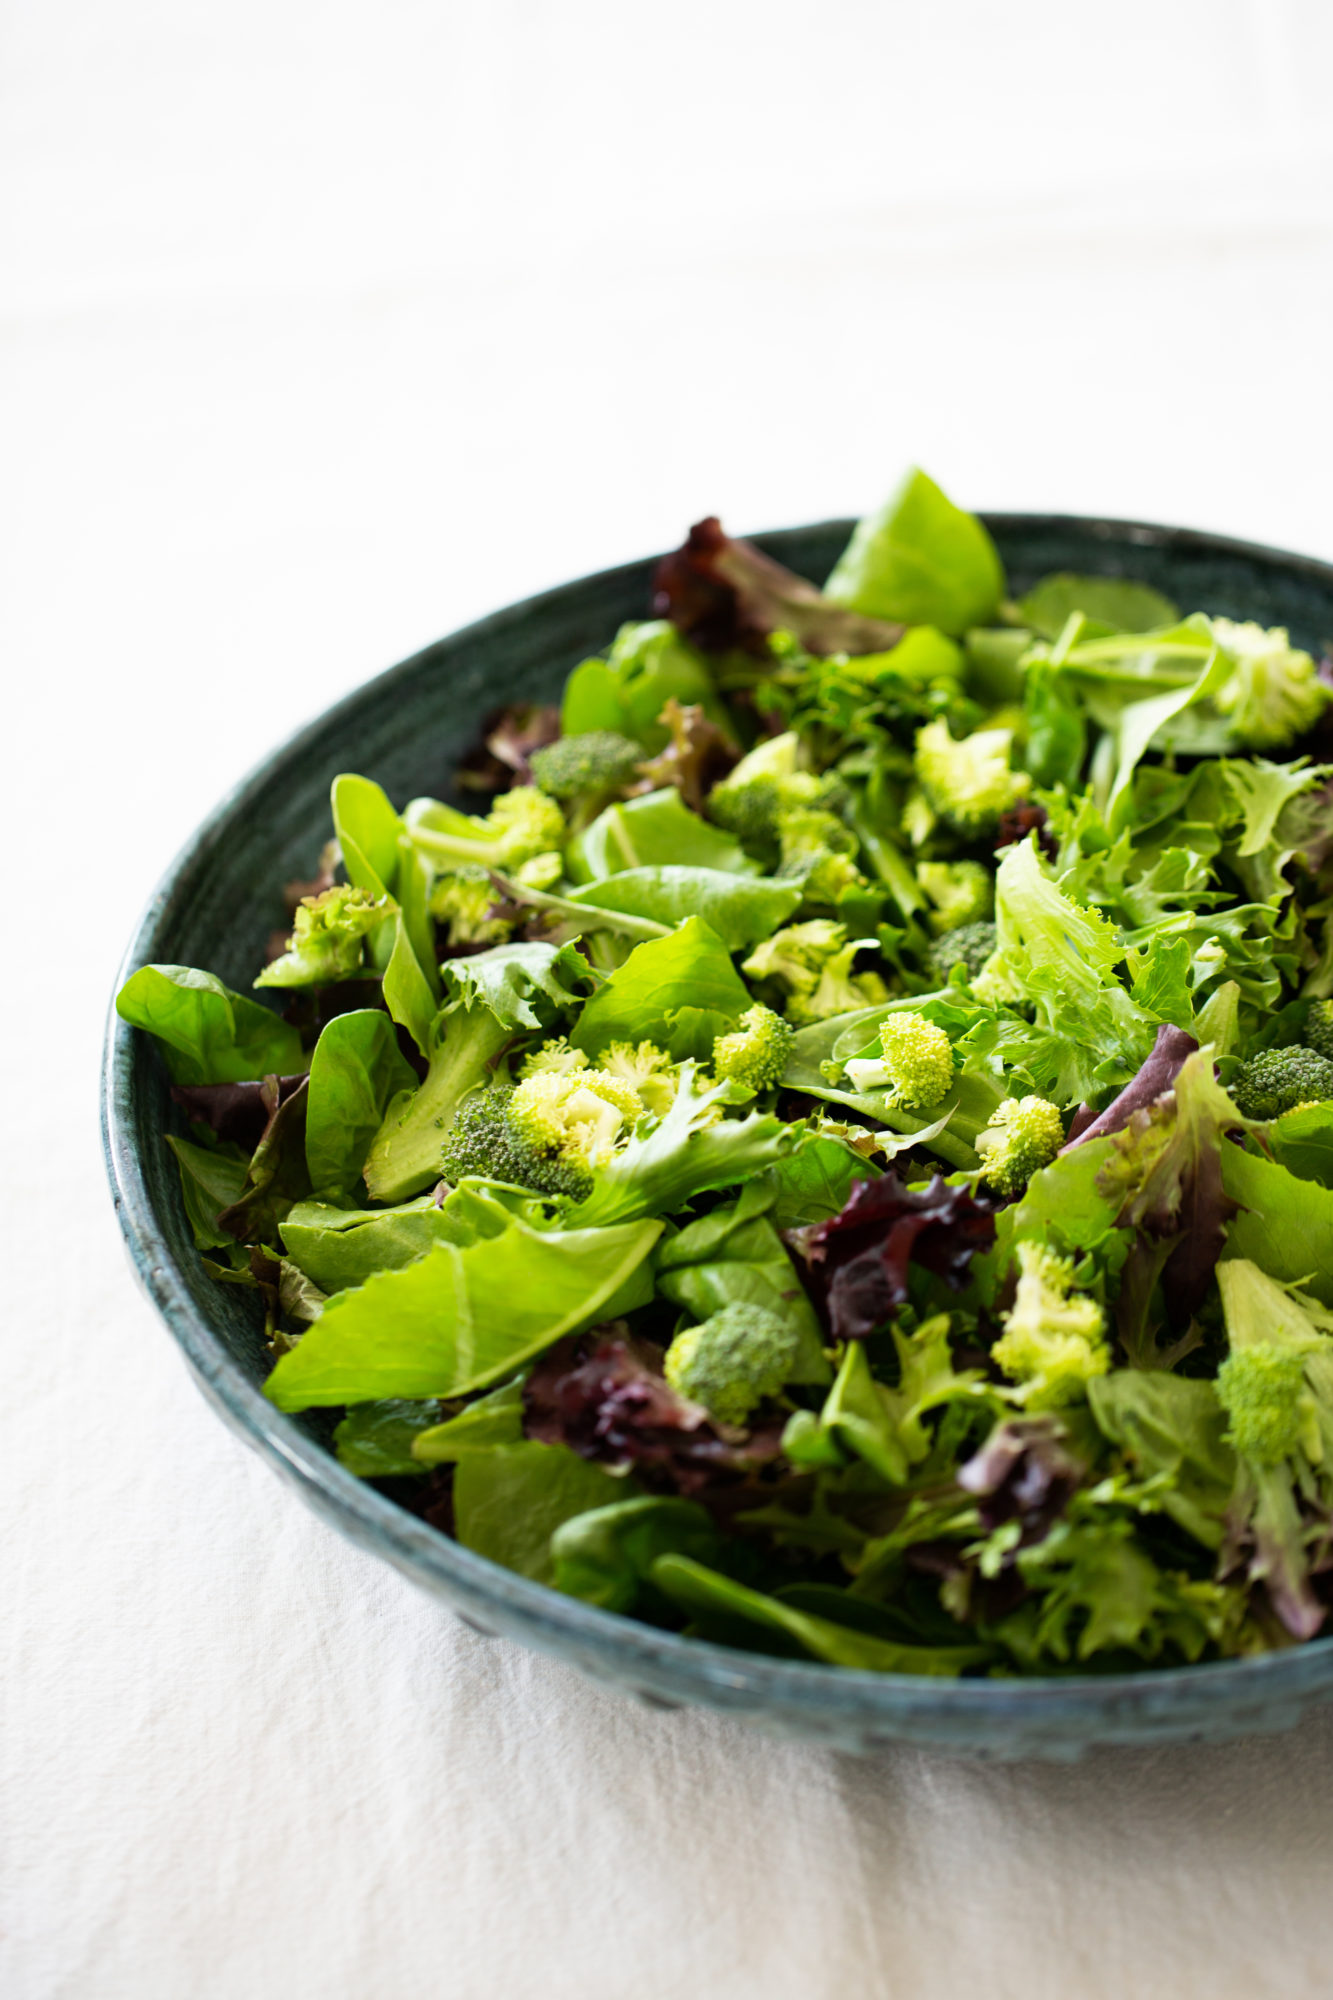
point(830, 1147)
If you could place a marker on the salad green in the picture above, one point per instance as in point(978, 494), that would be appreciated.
point(836, 1155)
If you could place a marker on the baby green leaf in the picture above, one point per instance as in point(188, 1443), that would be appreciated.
point(208, 1033)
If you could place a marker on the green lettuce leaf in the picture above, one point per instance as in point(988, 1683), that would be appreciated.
point(654, 831)
point(606, 1556)
point(740, 909)
point(1114, 602)
point(688, 973)
point(920, 560)
point(355, 1072)
point(509, 1502)
point(627, 691)
point(375, 1439)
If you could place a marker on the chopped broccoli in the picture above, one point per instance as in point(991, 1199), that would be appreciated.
point(1277, 1080)
point(648, 1070)
point(576, 1116)
point(732, 1362)
point(756, 1054)
point(600, 761)
point(767, 783)
point(963, 892)
point(464, 899)
point(484, 1143)
point(814, 962)
point(968, 783)
point(817, 848)
point(1319, 1029)
point(969, 946)
point(1275, 693)
point(916, 1068)
point(1276, 1387)
point(519, 826)
point(1052, 1344)
point(327, 936)
point(1024, 1135)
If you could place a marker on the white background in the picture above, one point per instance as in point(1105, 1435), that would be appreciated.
point(324, 329)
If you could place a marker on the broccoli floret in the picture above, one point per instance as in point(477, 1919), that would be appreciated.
point(519, 826)
point(554, 1056)
point(484, 1143)
point(733, 1361)
point(464, 900)
point(1319, 1029)
point(1277, 1080)
point(963, 892)
point(1052, 1344)
point(1276, 1387)
point(577, 1116)
point(599, 761)
point(327, 935)
point(915, 1070)
point(1275, 693)
point(817, 848)
point(969, 946)
point(648, 1070)
point(1024, 1135)
point(756, 1054)
point(764, 785)
point(814, 962)
point(968, 783)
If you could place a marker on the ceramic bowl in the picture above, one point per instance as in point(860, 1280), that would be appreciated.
point(215, 909)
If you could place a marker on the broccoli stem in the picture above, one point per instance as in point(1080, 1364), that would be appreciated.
point(406, 1154)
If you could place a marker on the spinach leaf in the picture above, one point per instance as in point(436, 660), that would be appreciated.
point(734, 1255)
point(655, 830)
point(495, 1419)
point(606, 1555)
point(643, 998)
point(1110, 601)
point(457, 1318)
point(714, 1600)
point(355, 1071)
point(742, 910)
point(212, 1178)
point(375, 1439)
point(509, 1502)
point(922, 560)
point(208, 1033)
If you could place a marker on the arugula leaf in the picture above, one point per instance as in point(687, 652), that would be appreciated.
point(208, 1033)
point(735, 1254)
point(456, 1319)
point(922, 560)
point(644, 998)
point(355, 1071)
point(740, 909)
point(713, 1599)
point(509, 1502)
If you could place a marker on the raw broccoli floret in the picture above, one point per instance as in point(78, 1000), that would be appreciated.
point(969, 946)
point(764, 785)
point(1024, 1135)
point(915, 1069)
point(599, 761)
point(756, 1054)
point(519, 826)
point(817, 849)
point(463, 900)
point(1277, 1080)
point(554, 1056)
point(484, 1143)
point(1052, 1344)
point(1276, 1387)
point(814, 962)
point(733, 1361)
point(648, 1070)
point(576, 1116)
point(1275, 693)
point(968, 783)
point(327, 935)
point(962, 892)
point(1319, 1029)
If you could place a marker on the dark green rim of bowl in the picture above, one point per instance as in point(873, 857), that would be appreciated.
point(845, 1708)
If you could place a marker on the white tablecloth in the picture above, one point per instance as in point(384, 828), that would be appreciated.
point(326, 328)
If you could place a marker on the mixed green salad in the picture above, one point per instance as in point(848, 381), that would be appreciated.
point(834, 1153)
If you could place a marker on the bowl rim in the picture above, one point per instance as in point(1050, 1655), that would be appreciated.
point(536, 1613)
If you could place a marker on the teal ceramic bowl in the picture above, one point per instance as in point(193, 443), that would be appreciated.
point(215, 909)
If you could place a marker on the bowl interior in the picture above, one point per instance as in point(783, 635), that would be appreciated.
point(407, 730)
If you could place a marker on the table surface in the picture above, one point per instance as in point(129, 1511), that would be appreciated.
point(325, 330)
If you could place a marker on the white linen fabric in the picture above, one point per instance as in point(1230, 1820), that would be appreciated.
point(326, 328)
